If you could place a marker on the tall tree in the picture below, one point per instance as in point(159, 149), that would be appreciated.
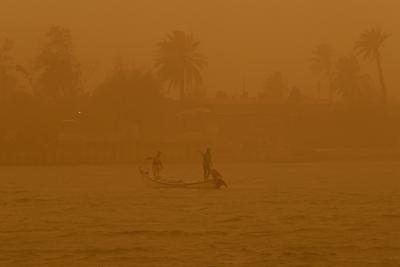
point(179, 63)
point(8, 82)
point(369, 45)
point(275, 87)
point(322, 63)
point(59, 70)
point(350, 83)
point(128, 97)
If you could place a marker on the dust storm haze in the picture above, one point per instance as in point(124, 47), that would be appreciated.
point(199, 133)
point(239, 37)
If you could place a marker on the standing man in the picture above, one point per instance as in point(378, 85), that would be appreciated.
point(207, 163)
point(157, 165)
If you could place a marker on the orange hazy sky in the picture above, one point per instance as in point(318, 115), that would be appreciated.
point(239, 36)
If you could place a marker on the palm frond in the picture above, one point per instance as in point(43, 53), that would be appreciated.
point(177, 60)
point(370, 43)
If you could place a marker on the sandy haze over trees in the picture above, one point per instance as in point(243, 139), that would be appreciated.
point(239, 37)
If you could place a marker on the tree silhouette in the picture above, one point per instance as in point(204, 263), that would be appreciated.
point(322, 63)
point(59, 71)
point(129, 96)
point(179, 63)
point(8, 82)
point(275, 87)
point(369, 45)
point(348, 81)
point(346, 76)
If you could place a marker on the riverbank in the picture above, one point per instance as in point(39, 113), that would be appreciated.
point(111, 155)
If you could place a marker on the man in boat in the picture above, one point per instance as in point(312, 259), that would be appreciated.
point(157, 164)
point(207, 163)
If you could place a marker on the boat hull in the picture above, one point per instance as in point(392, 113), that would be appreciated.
point(210, 184)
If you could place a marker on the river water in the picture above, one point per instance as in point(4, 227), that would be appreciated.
point(330, 214)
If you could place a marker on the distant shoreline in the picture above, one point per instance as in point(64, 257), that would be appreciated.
point(104, 159)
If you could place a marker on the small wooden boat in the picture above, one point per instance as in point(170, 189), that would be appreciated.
point(176, 183)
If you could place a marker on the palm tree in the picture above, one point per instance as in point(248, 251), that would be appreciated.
point(179, 63)
point(369, 45)
point(322, 62)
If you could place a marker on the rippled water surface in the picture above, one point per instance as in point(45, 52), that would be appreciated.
point(333, 214)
